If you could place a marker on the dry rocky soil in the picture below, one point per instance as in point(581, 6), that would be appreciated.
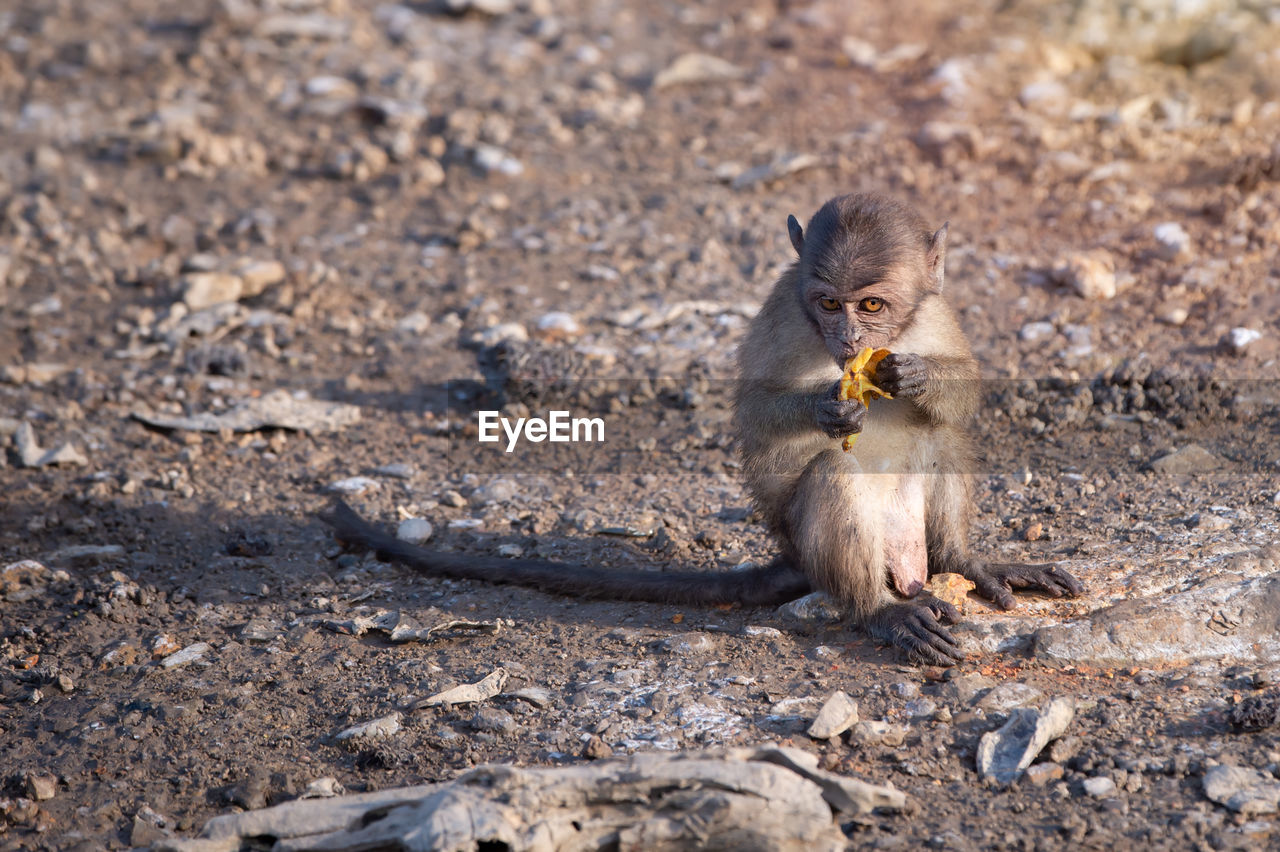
point(256, 252)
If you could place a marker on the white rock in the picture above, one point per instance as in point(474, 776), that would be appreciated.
point(31, 454)
point(696, 68)
point(942, 138)
point(879, 732)
point(354, 485)
point(499, 489)
point(1033, 331)
point(1173, 315)
point(414, 530)
point(384, 726)
point(1099, 786)
point(1238, 339)
point(1048, 96)
point(495, 334)
point(189, 654)
point(257, 275)
point(1242, 789)
point(205, 289)
point(813, 608)
point(1173, 241)
point(491, 158)
point(953, 76)
point(1004, 754)
point(558, 325)
point(323, 788)
point(487, 7)
point(330, 86)
point(865, 55)
point(1010, 694)
point(837, 715)
point(1190, 459)
point(413, 323)
point(781, 166)
point(1091, 275)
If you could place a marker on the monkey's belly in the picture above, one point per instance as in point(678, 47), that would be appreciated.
point(905, 549)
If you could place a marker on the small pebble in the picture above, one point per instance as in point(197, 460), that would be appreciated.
point(596, 749)
point(1040, 774)
point(42, 786)
point(414, 530)
point(1091, 276)
point(1033, 331)
point(837, 715)
point(905, 689)
point(558, 325)
point(189, 654)
point(1238, 340)
point(1099, 786)
point(1172, 240)
point(494, 720)
point(354, 485)
point(384, 726)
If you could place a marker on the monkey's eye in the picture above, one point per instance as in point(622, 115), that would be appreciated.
point(871, 305)
point(829, 304)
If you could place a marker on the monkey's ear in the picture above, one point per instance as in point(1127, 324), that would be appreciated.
point(797, 234)
point(936, 256)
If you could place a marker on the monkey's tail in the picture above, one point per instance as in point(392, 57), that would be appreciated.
point(771, 584)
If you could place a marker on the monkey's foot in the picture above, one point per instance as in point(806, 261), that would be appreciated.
point(916, 626)
point(997, 582)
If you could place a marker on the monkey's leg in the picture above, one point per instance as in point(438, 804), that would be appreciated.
point(837, 522)
point(947, 524)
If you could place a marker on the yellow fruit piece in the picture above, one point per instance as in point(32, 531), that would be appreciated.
point(952, 588)
point(858, 382)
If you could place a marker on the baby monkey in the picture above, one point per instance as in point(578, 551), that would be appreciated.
point(868, 526)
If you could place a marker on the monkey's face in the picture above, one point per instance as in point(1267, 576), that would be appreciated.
point(863, 267)
point(852, 318)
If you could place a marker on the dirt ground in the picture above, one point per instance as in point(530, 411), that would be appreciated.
point(421, 212)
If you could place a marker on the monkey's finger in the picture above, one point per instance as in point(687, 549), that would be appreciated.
point(1065, 580)
point(1046, 578)
point(936, 647)
point(903, 374)
point(996, 590)
point(926, 629)
point(943, 611)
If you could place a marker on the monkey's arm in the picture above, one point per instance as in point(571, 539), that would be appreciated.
point(763, 410)
point(944, 388)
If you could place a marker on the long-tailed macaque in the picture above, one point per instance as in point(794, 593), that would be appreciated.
point(868, 526)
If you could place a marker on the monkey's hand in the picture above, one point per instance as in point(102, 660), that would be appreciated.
point(997, 582)
point(838, 417)
point(902, 375)
point(916, 626)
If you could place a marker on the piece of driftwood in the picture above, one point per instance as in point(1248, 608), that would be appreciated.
point(743, 799)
